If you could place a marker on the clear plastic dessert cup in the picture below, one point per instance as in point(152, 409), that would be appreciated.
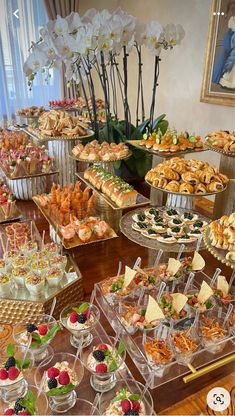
point(31, 394)
point(80, 331)
point(184, 342)
point(103, 360)
point(5, 284)
point(206, 307)
point(213, 338)
point(126, 388)
point(40, 346)
point(60, 390)
point(11, 389)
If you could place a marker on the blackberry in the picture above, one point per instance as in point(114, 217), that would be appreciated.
point(133, 412)
point(31, 328)
point(11, 362)
point(82, 318)
point(52, 383)
point(99, 355)
point(18, 406)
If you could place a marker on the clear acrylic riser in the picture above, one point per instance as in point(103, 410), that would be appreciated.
point(133, 343)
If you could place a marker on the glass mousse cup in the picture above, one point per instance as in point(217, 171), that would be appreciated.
point(58, 378)
point(32, 402)
point(80, 319)
point(84, 407)
point(103, 360)
point(43, 329)
point(213, 332)
point(126, 390)
point(14, 365)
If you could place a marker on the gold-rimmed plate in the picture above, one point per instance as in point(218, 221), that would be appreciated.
point(218, 253)
point(136, 144)
point(184, 194)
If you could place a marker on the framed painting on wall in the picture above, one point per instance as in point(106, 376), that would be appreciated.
point(218, 86)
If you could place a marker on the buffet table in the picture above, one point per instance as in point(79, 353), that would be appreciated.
point(97, 263)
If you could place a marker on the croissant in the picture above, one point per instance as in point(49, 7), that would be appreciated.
point(151, 175)
point(206, 177)
point(173, 186)
point(178, 167)
point(169, 173)
point(223, 178)
point(186, 188)
point(190, 177)
point(160, 182)
point(214, 186)
point(231, 219)
point(200, 189)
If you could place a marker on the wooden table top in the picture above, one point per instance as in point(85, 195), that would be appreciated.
point(98, 261)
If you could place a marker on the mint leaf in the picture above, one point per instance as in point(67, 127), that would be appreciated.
point(50, 334)
point(61, 390)
point(121, 348)
point(83, 307)
point(36, 340)
point(134, 397)
point(112, 366)
point(29, 402)
point(10, 350)
point(23, 364)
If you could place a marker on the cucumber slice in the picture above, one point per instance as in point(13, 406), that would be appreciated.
point(186, 135)
point(192, 139)
point(145, 136)
point(158, 140)
point(175, 140)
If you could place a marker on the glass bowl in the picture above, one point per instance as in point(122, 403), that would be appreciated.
point(126, 388)
point(12, 388)
point(61, 389)
point(80, 332)
point(109, 358)
point(30, 395)
point(212, 331)
point(40, 348)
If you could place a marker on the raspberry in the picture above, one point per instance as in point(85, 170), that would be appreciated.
point(87, 313)
point(53, 372)
point(42, 329)
point(3, 374)
point(102, 347)
point(13, 373)
point(24, 413)
point(9, 412)
point(101, 368)
point(126, 405)
point(73, 317)
point(136, 405)
point(64, 378)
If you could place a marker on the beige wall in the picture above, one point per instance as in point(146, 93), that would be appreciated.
point(181, 70)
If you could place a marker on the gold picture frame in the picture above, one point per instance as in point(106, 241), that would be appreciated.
point(218, 86)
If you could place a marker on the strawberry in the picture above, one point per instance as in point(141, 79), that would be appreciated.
point(53, 372)
point(101, 368)
point(64, 378)
point(42, 329)
point(24, 413)
point(13, 373)
point(126, 405)
point(102, 347)
point(73, 317)
point(9, 412)
point(3, 374)
point(136, 405)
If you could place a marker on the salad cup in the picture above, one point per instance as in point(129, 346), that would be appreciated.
point(60, 387)
point(103, 360)
point(158, 351)
point(184, 341)
point(80, 331)
point(11, 389)
point(213, 332)
point(126, 390)
point(32, 402)
point(40, 344)
point(192, 302)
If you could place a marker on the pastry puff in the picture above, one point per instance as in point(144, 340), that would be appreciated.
point(178, 167)
point(186, 188)
point(206, 177)
point(214, 186)
point(160, 182)
point(173, 186)
point(231, 219)
point(190, 177)
point(169, 174)
point(200, 189)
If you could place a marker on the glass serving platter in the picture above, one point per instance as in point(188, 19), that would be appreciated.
point(173, 370)
point(166, 155)
point(101, 161)
point(140, 201)
point(34, 175)
point(138, 238)
point(183, 193)
point(218, 150)
point(32, 226)
point(35, 134)
point(16, 215)
point(218, 253)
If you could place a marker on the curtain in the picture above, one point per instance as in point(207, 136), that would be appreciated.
point(16, 32)
point(63, 8)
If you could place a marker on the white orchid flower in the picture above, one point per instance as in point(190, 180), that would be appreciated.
point(140, 33)
point(88, 16)
point(61, 26)
point(74, 22)
point(65, 46)
point(154, 31)
point(35, 61)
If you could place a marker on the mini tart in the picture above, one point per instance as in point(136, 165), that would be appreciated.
point(152, 212)
point(155, 220)
point(139, 217)
point(195, 233)
point(150, 233)
point(199, 225)
point(186, 238)
point(167, 239)
point(189, 217)
point(176, 222)
point(140, 226)
point(175, 231)
point(159, 227)
point(171, 213)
